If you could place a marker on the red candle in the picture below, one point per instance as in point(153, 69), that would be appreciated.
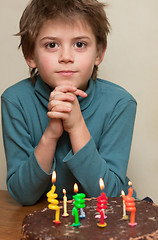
point(102, 204)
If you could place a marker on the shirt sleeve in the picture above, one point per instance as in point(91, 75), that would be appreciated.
point(26, 181)
point(110, 159)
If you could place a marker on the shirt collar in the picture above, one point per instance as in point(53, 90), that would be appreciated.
point(42, 89)
point(85, 102)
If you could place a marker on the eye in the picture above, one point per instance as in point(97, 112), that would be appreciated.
point(80, 44)
point(51, 45)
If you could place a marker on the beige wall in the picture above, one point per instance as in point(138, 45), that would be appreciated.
point(131, 60)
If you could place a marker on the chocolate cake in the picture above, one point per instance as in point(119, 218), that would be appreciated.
point(39, 225)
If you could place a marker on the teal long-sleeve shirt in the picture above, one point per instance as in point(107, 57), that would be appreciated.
point(109, 113)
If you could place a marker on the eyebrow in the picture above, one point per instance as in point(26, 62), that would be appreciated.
point(56, 38)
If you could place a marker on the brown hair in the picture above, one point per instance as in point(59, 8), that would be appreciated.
point(39, 11)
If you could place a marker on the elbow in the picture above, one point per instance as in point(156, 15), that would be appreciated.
point(24, 199)
point(114, 189)
point(27, 202)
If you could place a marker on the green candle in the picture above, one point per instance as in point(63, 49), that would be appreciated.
point(79, 203)
point(75, 213)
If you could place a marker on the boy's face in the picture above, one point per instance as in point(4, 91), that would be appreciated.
point(65, 53)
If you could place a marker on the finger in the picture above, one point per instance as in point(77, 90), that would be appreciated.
point(65, 88)
point(52, 104)
point(80, 93)
point(62, 96)
point(57, 115)
point(57, 106)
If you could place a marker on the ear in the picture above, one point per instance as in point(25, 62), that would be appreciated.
point(100, 56)
point(31, 62)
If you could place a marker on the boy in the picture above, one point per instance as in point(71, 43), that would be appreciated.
point(63, 118)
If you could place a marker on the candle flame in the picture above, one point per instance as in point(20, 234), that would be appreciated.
point(101, 183)
point(64, 191)
point(122, 193)
point(129, 183)
point(75, 188)
point(54, 177)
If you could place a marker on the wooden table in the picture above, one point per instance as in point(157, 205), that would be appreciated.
point(12, 214)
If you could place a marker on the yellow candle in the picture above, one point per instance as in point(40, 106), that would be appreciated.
point(125, 217)
point(53, 201)
point(65, 214)
point(57, 213)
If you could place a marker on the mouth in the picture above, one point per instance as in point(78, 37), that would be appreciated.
point(66, 73)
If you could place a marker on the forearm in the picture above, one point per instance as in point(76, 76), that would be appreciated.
point(88, 167)
point(29, 178)
point(45, 151)
point(79, 137)
point(28, 182)
point(30, 173)
point(107, 158)
point(46, 147)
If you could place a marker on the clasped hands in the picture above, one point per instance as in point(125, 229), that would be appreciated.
point(64, 109)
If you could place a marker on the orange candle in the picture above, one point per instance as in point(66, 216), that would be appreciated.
point(130, 205)
point(130, 190)
point(132, 219)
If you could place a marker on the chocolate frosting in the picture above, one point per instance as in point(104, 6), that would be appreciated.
point(39, 225)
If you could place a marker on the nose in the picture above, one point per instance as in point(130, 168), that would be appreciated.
point(66, 55)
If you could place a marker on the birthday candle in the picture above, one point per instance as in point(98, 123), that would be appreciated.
point(82, 213)
point(101, 205)
point(53, 201)
point(65, 214)
point(79, 203)
point(130, 205)
point(125, 217)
